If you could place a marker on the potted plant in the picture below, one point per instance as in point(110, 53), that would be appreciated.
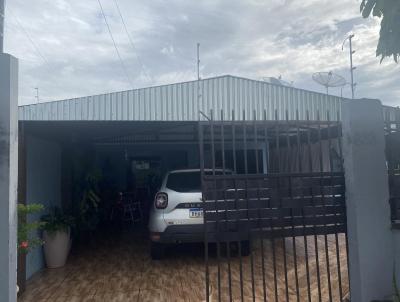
point(57, 238)
point(27, 236)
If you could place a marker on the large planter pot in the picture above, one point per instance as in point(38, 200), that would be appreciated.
point(56, 248)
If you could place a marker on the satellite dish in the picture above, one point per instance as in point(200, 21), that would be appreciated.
point(329, 79)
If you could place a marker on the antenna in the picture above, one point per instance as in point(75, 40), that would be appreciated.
point(329, 79)
point(351, 52)
point(198, 61)
point(37, 94)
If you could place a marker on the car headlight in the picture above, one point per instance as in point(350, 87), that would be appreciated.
point(161, 200)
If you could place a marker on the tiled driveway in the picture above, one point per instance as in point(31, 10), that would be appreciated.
point(120, 269)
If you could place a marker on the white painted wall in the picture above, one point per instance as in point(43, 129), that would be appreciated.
point(43, 185)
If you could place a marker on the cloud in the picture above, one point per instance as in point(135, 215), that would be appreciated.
point(75, 55)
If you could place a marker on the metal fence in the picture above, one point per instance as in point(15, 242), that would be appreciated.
point(274, 208)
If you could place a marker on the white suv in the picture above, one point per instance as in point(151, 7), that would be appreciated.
point(177, 215)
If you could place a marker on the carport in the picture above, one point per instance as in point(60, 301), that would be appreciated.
point(128, 157)
point(133, 138)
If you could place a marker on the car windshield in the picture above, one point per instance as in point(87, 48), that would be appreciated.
point(187, 181)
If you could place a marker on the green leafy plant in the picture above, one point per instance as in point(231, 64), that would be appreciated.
point(57, 221)
point(85, 203)
point(90, 199)
point(389, 35)
point(27, 236)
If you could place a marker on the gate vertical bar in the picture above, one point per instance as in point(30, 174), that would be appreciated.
point(331, 168)
point(278, 150)
point(201, 155)
point(260, 223)
point(299, 153)
point(217, 226)
point(340, 135)
point(315, 233)
point(290, 170)
point(236, 203)
point(228, 250)
point(248, 228)
point(321, 162)
point(272, 227)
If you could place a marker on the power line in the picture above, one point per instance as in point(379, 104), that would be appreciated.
point(28, 36)
point(132, 44)
point(115, 45)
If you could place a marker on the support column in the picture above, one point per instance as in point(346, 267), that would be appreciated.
point(371, 259)
point(8, 176)
point(21, 262)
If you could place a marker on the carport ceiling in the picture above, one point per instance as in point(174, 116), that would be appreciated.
point(111, 132)
point(129, 132)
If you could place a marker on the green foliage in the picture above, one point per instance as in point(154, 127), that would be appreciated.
point(85, 200)
point(87, 216)
point(26, 235)
point(389, 35)
point(57, 221)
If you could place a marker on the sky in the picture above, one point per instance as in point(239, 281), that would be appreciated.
point(65, 50)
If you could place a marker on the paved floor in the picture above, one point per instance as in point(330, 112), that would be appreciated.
point(120, 269)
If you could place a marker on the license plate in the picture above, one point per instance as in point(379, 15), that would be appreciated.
point(195, 213)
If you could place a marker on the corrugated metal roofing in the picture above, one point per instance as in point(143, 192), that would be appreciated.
point(180, 102)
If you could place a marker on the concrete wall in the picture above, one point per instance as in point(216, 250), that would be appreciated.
point(8, 176)
point(43, 181)
point(370, 239)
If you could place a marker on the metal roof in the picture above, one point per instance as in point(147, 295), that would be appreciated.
point(180, 102)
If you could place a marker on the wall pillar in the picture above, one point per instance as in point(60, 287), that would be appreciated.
point(21, 262)
point(8, 176)
point(371, 259)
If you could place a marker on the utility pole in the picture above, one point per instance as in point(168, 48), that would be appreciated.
point(2, 5)
point(352, 68)
point(351, 65)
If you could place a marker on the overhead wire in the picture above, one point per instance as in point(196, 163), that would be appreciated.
point(28, 36)
point(143, 67)
point(115, 46)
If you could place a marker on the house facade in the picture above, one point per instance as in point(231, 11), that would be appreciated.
point(155, 127)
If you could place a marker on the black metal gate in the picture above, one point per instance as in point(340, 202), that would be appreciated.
point(392, 149)
point(274, 209)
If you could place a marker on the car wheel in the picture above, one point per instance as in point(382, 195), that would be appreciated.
point(157, 250)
